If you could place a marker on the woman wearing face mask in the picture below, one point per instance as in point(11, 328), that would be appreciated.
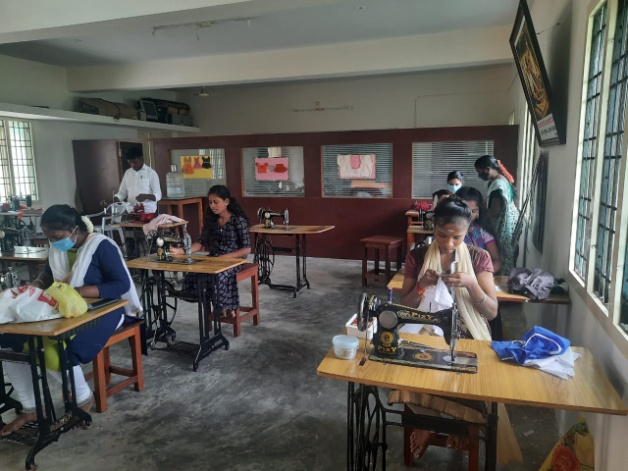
point(475, 296)
point(501, 207)
point(455, 180)
point(93, 265)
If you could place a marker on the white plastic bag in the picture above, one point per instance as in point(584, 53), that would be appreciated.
point(27, 304)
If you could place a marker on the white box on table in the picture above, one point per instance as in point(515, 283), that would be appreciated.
point(352, 328)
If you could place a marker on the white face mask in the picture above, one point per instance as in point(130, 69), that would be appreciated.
point(453, 188)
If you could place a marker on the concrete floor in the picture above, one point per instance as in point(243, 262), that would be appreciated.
point(259, 405)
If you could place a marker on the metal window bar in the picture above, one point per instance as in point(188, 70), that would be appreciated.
point(613, 140)
point(432, 161)
point(333, 186)
point(589, 143)
point(17, 163)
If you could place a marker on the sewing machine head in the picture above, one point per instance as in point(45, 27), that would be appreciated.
point(390, 317)
point(266, 217)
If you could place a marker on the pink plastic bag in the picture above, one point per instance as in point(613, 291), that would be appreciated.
point(27, 304)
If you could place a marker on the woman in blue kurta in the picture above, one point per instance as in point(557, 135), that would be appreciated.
point(93, 265)
point(225, 234)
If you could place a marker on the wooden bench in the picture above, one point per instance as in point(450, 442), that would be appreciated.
point(385, 244)
point(248, 271)
point(102, 369)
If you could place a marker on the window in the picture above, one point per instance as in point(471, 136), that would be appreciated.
point(359, 171)
point(432, 161)
point(599, 256)
point(197, 183)
point(17, 163)
point(589, 143)
point(273, 171)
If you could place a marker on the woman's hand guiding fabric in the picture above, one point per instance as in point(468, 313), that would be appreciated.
point(459, 280)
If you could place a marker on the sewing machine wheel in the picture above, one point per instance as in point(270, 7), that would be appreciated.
point(366, 306)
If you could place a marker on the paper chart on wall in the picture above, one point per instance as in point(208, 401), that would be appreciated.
point(352, 166)
point(271, 169)
point(196, 166)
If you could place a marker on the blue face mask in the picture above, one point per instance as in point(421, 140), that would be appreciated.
point(484, 176)
point(64, 245)
point(453, 188)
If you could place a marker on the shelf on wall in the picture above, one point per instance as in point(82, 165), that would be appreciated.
point(10, 110)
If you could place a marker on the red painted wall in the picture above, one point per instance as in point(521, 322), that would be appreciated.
point(354, 218)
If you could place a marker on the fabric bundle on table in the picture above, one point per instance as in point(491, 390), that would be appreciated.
point(540, 348)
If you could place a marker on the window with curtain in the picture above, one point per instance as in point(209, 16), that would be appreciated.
point(357, 170)
point(432, 161)
point(17, 160)
point(274, 171)
point(199, 186)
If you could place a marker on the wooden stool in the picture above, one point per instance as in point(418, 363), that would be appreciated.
point(385, 243)
point(472, 432)
point(249, 270)
point(102, 369)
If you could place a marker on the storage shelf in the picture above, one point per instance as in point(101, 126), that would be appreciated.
point(10, 110)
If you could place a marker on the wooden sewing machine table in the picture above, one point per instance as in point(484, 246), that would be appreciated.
point(588, 391)
point(264, 250)
point(155, 290)
point(49, 426)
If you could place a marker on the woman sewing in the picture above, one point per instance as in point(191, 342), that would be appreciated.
point(94, 266)
point(474, 290)
point(225, 234)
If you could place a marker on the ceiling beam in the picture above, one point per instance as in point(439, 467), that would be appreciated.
point(30, 20)
point(469, 48)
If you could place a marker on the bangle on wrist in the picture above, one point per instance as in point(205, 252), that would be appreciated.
point(420, 291)
point(481, 300)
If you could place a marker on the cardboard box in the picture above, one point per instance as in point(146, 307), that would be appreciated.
point(352, 328)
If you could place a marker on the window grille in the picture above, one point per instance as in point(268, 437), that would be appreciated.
point(613, 137)
point(200, 186)
point(432, 161)
point(589, 143)
point(379, 187)
point(292, 187)
point(17, 160)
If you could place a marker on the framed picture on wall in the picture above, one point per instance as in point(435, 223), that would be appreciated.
point(533, 75)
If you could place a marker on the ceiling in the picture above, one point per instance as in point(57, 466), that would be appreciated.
point(94, 41)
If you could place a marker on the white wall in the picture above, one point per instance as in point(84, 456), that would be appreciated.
point(470, 97)
point(563, 51)
point(54, 157)
point(35, 84)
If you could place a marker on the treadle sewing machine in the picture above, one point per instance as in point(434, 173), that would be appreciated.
point(266, 217)
point(160, 242)
point(389, 347)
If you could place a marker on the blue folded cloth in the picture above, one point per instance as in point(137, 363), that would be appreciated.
point(537, 343)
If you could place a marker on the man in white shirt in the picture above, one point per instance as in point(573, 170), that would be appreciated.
point(140, 183)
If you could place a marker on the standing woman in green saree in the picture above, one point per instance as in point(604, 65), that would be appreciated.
point(501, 206)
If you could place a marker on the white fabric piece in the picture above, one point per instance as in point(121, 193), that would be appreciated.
point(60, 267)
point(436, 298)
point(474, 321)
point(558, 365)
point(356, 166)
point(134, 183)
point(154, 224)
